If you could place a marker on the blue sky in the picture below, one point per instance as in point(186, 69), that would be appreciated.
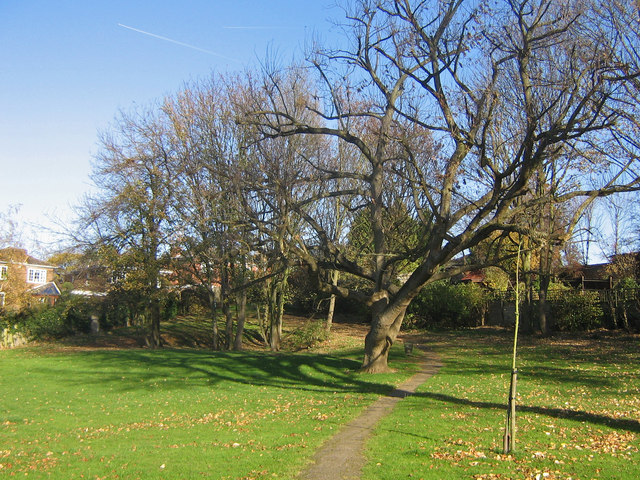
point(67, 67)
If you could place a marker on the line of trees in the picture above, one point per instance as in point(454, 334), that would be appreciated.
point(435, 128)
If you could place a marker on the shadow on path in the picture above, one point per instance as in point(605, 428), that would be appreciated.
point(342, 456)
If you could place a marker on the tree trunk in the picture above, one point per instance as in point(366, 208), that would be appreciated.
point(262, 322)
point(228, 326)
point(155, 340)
point(280, 313)
point(509, 439)
point(242, 315)
point(226, 308)
point(276, 319)
point(241, 305)
point(276, 306)
point(274, 328)
point(529, 288)
point(613, 304)
point(542, 304)
point(384, 329)
point(333, 276)
point(625, 317)
point(214, 320)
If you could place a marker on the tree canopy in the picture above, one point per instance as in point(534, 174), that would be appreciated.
point(458, 110)
point(434, 127)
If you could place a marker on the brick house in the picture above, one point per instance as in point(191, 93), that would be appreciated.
point(25, 280)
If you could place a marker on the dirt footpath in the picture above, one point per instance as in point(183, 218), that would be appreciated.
point(342, 456)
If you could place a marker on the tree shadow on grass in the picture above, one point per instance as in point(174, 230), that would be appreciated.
point(183, 369)
point(555, 370)
point(561, 413)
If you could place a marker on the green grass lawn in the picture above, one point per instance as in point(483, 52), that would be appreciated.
point(98, 413)
point(174, 414)
point(578, 412)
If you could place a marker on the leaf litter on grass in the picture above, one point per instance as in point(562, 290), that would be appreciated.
point(577, 413)
point(186, 410)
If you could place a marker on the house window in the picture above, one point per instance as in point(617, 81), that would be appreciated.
point(36, 275)
point(3, 272)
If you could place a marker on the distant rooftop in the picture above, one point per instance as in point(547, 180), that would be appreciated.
point(47, 290)
point(20, 255)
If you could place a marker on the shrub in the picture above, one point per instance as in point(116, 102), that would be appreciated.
point(303, 296)
point(11, 330)
point(624, 305)
point(312, 333)
point(38, 323)
point(45, 323)
point(448, 305)
point(576, 311)
point(116, 314)
point(76, 312)
point(170, 306)
point(70, 315)
point(12, 321)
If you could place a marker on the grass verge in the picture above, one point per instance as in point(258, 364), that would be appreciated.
point(578, 412)
point(169, 414)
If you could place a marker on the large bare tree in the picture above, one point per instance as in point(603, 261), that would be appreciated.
point(278, 177)
point(454, 107)
point(210, 239)
point(127, 219)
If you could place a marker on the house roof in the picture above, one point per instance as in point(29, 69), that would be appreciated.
point(474, 276)
point(47, 290)
point(20, 255)
point(603, 271)
point(597, 271)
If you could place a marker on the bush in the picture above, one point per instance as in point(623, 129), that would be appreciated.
point(576, 311)
point(623, 304)
point(38, 323)
point(70, 315)
point(116, 314)
point(170, 306)
point(12, 321)
point(448, 305)
point(302, 293)
point(311, 334)
point(76, 312)
point(47, 323)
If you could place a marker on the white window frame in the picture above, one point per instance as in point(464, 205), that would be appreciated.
point(37, 275)
point(4, 271)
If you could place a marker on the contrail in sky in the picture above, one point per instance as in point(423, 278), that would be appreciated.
point(176, 42)
point(258, 28)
